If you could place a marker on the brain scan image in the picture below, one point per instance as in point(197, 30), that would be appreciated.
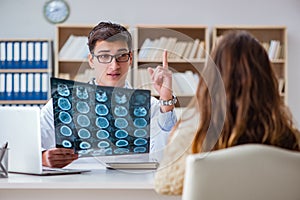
point(63, 90)
point(83, 120)
point(97, 120)
point(140, 133)
point(103, 144)
point(81, 92)
point(84, 133)
point(64, 103)
point(102, 134)
point(82, 107)
point(101, 109)
point(65, 131)
point(120, 111)
point(121, 134)
point(101, 96)
point(102, 122)
point(84, 145)
point(140, 111)
point(66, 144)
point(140, 149)
point(121, 123)
point(121, 143)
point(140, 141)
point(140, 122)
point(120, 98)
point(140, 99)
point(121, 151)
point(65, 117)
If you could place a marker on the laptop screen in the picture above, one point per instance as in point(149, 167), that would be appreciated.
point(98, 120)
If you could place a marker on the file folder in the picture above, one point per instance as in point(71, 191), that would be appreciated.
point(9, 56)
point(16, 55)
point(45, 55)
point(37, 54)
point(2, 86)
point(3, 55)
point(16, 90)
point(9, 86)
point(24, 55)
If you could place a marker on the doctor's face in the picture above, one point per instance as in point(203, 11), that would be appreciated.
point(111, 62)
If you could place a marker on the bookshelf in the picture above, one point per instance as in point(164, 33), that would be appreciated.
point(187, 46)
point(274, 39)
point(73, 61)
point(25, 68)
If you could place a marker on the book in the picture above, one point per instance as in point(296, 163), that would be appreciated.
point(188, 50)
point(201, 50)
point(194, 48)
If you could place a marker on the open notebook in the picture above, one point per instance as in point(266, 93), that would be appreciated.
point(20, 127)
point(102, 121)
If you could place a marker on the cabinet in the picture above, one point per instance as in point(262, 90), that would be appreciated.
point(274, 39)
point(25, 68)
point(186, 45)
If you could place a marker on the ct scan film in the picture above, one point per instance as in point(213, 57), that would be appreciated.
point(98, 121)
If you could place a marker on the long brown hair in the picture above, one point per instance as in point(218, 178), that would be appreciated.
point(251, 109)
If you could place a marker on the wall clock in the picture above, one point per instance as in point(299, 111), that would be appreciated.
point(56, 11)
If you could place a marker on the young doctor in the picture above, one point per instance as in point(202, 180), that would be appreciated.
point(111, 56)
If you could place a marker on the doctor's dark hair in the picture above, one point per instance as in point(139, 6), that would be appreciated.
point(111, 32)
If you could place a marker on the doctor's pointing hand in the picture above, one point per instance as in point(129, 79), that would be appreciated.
point(161, 78)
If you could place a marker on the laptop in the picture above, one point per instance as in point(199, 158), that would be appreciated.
point(20, 127)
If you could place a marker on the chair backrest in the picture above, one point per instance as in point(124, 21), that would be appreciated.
point(244, 172)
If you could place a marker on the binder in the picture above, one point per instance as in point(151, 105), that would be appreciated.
point(23, 86)
point(23, 55)
point(2, 86)
point(3, 55)
point(16, 84)
point(30, 86)
point(37, 86)
point(30, 55)
point(45, 86)
point(45, 54)
point(9, 56)
point(9, 86)
point(37, 54)
point(16, 55)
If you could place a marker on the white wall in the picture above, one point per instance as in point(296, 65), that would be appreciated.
point(24, 19)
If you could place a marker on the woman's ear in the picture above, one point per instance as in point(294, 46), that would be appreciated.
point(91, 62)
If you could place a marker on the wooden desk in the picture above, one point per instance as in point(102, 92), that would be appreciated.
point(97, 184)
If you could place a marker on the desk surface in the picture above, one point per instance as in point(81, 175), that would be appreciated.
point(98, 178)
point(112, 184)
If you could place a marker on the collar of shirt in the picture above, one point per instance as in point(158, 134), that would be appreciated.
point(127, 84)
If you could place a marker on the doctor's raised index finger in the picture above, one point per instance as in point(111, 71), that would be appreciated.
point(165, 59)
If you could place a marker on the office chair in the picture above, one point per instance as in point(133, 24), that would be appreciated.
point(244, 172)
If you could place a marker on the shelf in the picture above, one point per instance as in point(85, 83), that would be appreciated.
point(187, 47)
point(23, 102)
point(266, 34)
point(74, 65)
point(25, 69)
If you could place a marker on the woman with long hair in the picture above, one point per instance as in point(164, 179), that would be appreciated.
point(237, 102)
